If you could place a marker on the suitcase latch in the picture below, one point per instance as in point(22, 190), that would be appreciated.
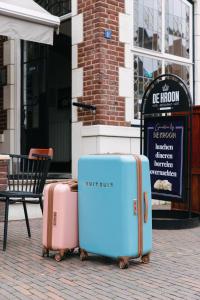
point(54, 218)
point(135, 207)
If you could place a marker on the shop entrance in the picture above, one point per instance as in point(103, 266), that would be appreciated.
point(46, 98)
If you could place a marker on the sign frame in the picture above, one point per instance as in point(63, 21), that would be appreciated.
point(181, 160)
point(166, 96)
point(163, 84)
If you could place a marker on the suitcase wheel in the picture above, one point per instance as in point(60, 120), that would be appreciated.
point(45, 252)
point(59, 256)
point(70, 251)
point(145, 258)
point(83, 255)
point(123, 263)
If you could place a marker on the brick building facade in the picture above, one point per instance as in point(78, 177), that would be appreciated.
point(100, 59)
point(102, 76)
point(117, 48)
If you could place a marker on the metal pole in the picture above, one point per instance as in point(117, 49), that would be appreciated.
point(190, 169)
point(141, 126)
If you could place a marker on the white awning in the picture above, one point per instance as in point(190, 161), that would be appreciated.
point(26, 20)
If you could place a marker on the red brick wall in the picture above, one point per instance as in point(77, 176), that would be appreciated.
point(3, 184)
point(3, 116)
point(101, 59)
point(3, 174)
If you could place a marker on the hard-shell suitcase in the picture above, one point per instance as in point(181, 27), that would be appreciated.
point(60, 218)
point(115, 217)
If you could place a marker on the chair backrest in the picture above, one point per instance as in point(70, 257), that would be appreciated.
point(28, 174)
point(45, 151)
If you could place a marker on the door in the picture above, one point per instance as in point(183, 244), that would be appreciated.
point(46, 98)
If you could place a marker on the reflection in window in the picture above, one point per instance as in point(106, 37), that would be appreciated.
point(183, 71)
point(56, 7)
point(34, 51)
point(145, 70)
point(33, 70)
point(177, 29)
point(149, 17)
point(148, 24)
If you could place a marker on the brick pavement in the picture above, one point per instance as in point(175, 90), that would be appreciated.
point(174, 271)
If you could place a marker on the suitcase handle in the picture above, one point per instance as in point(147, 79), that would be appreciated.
point(71, 181)
point(73, 185)
point(146, 208)
point(54, 218)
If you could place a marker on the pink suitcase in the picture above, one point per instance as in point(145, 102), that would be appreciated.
point(60, 218)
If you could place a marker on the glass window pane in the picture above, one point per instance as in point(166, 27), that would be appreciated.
point(141, 37)
point(140, 16)
point(177, 28)
point(170, 6)
point(148, 39)
point(148, 24)
point(56, 7)
point(148, 3)
point(145, 70)
point(183, 71)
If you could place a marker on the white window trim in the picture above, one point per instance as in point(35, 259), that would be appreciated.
point(154, 54)
point(165, 56)
point(65, 17)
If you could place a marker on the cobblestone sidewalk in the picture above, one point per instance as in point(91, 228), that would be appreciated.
point(174, 271)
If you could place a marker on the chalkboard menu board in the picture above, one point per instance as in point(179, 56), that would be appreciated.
point(165, 142)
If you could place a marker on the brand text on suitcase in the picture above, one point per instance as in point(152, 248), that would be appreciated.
point(99, 184)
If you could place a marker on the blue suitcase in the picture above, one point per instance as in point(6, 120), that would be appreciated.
point(115, 215)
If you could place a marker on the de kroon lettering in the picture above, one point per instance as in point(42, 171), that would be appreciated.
point(165, 97)
point(159, 134)
point(99, 184)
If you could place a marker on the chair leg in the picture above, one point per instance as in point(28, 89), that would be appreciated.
point(5, 224)
point(41, 204)
point(27, 220)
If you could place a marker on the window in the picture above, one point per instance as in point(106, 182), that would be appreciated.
point(56, 7)
point(162, 43)
point(145, 70)
point(148, 24)
point(177, 28)
point(182, 71)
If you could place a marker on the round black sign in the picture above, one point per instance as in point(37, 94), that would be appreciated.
point(166, 96)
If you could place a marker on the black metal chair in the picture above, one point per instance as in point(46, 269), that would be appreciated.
point(33, 153)
point(26, 180)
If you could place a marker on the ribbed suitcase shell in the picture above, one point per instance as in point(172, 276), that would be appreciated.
point(65, 228)
point(107, 191)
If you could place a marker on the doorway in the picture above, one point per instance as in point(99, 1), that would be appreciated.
point(46, 98)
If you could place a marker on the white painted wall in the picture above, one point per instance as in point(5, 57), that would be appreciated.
point(10, 139)
point(126, 84)
point(98, 139)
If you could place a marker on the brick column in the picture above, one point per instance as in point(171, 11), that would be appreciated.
point(100, 59)
point(102, 75)
point(3, 182)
